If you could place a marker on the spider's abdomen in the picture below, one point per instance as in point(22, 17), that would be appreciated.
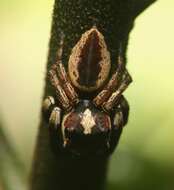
point(89, 63)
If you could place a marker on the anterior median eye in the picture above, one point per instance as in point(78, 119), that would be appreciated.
point(89, 63)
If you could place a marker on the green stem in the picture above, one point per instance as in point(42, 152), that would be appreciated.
point(114, 19)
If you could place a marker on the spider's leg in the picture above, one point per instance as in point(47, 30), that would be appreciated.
point(47, 107)
point(55, 118)
point(121, 113)
point(62, 75)
point(119, 119)
point(112, 84)
point(115, 96)
point(60, 93)
point(51, 113)
point(66, 84)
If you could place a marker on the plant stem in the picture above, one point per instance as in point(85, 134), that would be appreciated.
point(114, 19)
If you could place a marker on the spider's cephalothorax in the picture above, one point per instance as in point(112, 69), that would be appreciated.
point(91, 125)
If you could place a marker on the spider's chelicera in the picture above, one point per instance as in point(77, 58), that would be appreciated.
point(87, 112)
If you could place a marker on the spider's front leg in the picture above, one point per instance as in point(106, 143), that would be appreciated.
point(53, 116)
point(51, 113)
point(119, 119)
point(121, 113)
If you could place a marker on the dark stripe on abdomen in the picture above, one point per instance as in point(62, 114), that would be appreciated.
point(90, 57)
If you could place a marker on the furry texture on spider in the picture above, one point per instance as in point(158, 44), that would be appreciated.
point(88, 111)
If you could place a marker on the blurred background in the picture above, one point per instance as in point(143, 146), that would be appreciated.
point(144, 158)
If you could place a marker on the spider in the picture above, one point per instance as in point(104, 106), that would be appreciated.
point(88, 110)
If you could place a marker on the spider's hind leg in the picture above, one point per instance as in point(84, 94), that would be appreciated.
point(60, 72)
point(113, 83)
point(115, 96)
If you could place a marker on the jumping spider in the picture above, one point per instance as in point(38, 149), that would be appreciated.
point(87, 113)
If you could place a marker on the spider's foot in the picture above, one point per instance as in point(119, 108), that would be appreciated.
point(55, 118)
point(47, 107)
point(52, 114)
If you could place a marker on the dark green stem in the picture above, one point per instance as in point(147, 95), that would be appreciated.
point(114, 19)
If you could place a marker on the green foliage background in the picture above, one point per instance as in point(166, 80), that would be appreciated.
point(144, 158)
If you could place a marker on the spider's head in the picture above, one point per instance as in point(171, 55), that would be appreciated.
point(89, 62)
point(86, 130)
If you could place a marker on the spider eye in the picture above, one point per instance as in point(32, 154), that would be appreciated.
point(89, 62)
